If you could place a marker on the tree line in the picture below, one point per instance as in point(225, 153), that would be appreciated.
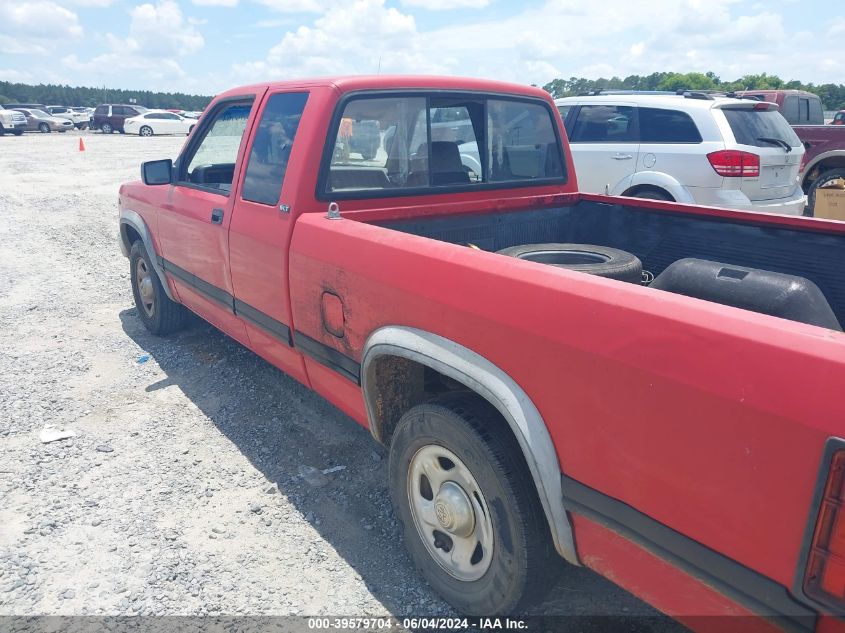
point(832, 95)
point(51, 94)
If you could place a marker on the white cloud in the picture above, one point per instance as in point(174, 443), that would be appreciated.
point(86, 3)
point(158, 36)
point(35, 27)
point(302, 6)
point(362, 37)
point(446, 5)
point(216, 3)
point(161, 31)
point(15, 76)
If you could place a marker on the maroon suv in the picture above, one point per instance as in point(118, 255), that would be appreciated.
point(110, 117)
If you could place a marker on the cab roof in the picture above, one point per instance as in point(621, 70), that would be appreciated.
point(355, 83)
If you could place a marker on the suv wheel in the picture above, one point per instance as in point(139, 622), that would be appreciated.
point(107, 128)
point(472, 521)
point(653, 194)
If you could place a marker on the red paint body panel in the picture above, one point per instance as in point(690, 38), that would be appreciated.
point(650, 578)
point(692, 403)
point(708, 419)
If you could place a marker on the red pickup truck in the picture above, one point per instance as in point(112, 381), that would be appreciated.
point(824, 158)
point(648, 389)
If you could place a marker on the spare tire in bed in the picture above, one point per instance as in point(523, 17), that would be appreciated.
point(586, 258)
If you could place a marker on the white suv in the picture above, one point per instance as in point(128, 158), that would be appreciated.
point(692, 148)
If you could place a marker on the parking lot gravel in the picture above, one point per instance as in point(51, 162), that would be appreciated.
point(197, 479)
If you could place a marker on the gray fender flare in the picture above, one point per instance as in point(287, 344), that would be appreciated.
point(493, 384)
point(133, 219)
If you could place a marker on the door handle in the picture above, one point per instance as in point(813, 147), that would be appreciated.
point(217, 216)
point(622, 156)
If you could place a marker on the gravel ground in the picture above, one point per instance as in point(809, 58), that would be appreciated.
point(196, 482)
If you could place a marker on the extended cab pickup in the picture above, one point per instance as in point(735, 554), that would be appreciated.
point(824, 160)
point(680, 436)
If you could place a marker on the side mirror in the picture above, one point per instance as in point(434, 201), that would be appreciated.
point(157, 172)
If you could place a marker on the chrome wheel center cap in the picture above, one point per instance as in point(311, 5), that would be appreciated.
point(454, 510)
point(146, 289)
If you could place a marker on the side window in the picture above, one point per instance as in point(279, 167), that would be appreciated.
point(118, 111)
point(604, 124)
point(211, 160)
point(816, 112)
point(564, 112)
point(271, 147)
point(790, 109)
point(521, 143)
point(101, 110)
point(667, 126)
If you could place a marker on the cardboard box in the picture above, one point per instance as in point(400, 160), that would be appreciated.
point(830, 201)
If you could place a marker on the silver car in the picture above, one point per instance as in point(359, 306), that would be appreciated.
point(40, 121)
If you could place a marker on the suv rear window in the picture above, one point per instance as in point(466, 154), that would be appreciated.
point(667, 126)
point(749, 126)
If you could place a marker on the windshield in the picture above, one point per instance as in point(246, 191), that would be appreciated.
point(139, 109)
point(750, 127)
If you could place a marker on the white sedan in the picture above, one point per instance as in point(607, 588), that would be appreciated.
point(158, 122)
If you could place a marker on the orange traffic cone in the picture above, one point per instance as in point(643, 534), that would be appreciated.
point(81, 145)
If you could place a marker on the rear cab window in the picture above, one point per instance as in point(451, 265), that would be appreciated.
point(394, 144)
point(751, 127)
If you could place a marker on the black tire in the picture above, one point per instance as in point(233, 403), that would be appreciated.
point(524, 564)
point(587, 258)
point(823, 179)
point(145, 130)
point(166, 316)
point(2, 130)
point(106, 128)
point(18, 132)
point(653, 194)
point(44, 128)
point(121, 131)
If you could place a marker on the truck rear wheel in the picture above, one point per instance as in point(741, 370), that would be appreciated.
point(472, 521)
point(825, 178)
point(159, 314)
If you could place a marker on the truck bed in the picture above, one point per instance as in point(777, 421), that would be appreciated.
point(657, 237)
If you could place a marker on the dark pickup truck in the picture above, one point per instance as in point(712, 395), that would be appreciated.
point(824, 160)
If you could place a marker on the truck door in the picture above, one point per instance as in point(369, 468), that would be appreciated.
point(194, 221)
point(260, 233)
point(604, 144)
